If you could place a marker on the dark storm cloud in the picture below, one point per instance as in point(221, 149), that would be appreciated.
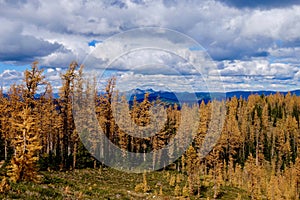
point(18, 47)
point(26, 48)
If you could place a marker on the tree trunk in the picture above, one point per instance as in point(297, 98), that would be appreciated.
point(74, 155)
point(257, 150)
point(5, 149)
point(65, 140)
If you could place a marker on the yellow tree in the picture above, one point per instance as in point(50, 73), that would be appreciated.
point(47, 120)
point(297, 177)
point(252, 178)
point(292, 133)
point(257, 134)
point(27, 145)
point(74, 135)
point(266, 135)
point(124, 122)
point(65, 105)
point(24, 131)
point(12, 108)
point(203, 125)
point(192, 163)
point(4, 122)
point(33, 78)
point(244, 123)
point(231, 138)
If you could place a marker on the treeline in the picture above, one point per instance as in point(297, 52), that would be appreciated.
point(257, 150)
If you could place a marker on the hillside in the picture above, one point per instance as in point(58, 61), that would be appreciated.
point(106, 183)
point(237, 148)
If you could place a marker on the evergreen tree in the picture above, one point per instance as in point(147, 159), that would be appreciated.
point(65, 106)
point(27, 145)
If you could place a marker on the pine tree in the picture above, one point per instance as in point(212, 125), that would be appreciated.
point(124, 123)
point(297, 177)
point(177, 191)
point(33, 79)
point(4, 123)
point(4, 185)
point(74, 135)
point(258, 141)
point(253, 175)
point(65, 106)
point(104, 113)
point(27, 145)
point(203, 125)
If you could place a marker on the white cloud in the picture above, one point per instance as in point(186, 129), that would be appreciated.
point(297, 76)
point(9, 77)
point(258, 41)
point(232, 32)
point(257, 67)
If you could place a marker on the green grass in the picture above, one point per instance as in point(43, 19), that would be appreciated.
point(104, 183)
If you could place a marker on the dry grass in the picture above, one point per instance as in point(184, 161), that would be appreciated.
point(103, 183)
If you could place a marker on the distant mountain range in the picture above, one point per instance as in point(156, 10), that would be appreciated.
point(187, 97)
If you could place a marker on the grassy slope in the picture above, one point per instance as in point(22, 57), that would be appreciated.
point(103, 184)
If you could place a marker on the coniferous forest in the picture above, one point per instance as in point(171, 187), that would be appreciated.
point(257, 155)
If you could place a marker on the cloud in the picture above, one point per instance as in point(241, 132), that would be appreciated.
point(263, 35)
point(14, 46)
point(258, 74)
point(297, 76)
point(267, 4)
point(127, 81)
point(227, 32)
point(9, 77)
point(285, 55)
point(257, 67)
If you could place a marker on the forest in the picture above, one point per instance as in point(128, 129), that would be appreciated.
point(257, 153)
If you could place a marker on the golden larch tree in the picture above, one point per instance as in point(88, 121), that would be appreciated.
point(26, 144)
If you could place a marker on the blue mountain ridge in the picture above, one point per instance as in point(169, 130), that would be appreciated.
point(188, 97)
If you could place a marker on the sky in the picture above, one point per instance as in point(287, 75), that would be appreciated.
point(254, 45)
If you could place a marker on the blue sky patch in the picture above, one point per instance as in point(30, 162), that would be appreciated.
point(93, 43)
point(197, 48)
point(4, 66)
